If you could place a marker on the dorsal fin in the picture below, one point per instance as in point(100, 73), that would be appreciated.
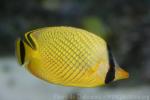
point(111, 71)
point(20, 51)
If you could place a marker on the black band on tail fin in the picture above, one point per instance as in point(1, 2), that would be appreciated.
point(111, 71)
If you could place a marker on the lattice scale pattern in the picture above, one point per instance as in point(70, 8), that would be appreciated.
point(69, 55)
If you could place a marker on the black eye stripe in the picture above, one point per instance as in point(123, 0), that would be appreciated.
point(22, 52)
point(111, 71)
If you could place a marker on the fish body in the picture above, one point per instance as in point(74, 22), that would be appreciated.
point(68, 56)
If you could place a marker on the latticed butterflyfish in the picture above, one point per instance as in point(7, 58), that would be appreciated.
point(68, 56)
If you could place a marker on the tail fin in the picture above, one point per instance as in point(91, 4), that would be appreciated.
point(121, 74)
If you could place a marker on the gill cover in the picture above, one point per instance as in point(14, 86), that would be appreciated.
point(20, 51)
point(30, 40)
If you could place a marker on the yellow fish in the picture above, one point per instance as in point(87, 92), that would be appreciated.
point(68, 56)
